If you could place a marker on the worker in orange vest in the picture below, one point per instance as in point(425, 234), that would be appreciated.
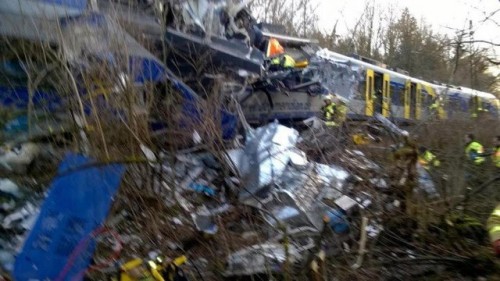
point(276, 52)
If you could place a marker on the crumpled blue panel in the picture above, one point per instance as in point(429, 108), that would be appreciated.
point(77, 203)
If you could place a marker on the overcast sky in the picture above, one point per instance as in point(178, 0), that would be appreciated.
point(444, 16)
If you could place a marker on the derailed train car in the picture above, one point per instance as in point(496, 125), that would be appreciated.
point(367, 87)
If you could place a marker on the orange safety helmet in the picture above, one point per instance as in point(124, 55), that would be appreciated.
point(274, 48)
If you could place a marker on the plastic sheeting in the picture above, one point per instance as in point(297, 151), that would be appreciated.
point(77, 204)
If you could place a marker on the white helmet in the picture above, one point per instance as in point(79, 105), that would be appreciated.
point(328, 97)
point(405, 133)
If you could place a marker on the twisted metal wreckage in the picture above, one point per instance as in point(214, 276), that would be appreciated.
point(270, 174)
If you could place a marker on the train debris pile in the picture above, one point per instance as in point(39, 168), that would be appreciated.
point(312, 206)
point(117, 196)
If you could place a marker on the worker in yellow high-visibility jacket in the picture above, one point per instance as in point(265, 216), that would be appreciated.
point(493, 225)
point(474, 151)
point(329, 111)
point(427, 159)
point(475, 158)
point(279, 59)
point(496, 154)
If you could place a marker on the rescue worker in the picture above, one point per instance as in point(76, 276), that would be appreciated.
point(406, 157)
point(435, 108)
point(283, 62)
point(329, 110)
point(341, 112)
point(474, 151)
point(279, 60)
point(274, 48)
point(493, 226)
point(427, 159)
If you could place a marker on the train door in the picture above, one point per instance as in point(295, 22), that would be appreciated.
point(378, 94)
point(369, 89)
point(386, 96)
point(407, 100)
point(414, 100)
point(418, 101)
point(475, 106)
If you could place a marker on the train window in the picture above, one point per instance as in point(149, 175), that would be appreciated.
point(397, 95)
point(426, 100)
point(487, 106)
point(455, 103)
point(361, 90)
point(370, 85)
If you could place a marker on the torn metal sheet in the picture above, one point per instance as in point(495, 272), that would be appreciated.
point(374, 229)
point(204, 218)
point(205, 224)
point(390, 126)
point(264, 158)
point(206, 15)
point(379, 183)
point(332, 176)
point(285, 95)
point(297, 200)
point(99, 36)
point(19, 217)
point(7, 259)
point(346, 203)
point(7, 205)
point(357, 159)
point(338, 77)
point(196, 11)
point(10, 188)
point(298, 159)
point(18, 158)
point(263, 258)
point(220, 51)
point(191, 176)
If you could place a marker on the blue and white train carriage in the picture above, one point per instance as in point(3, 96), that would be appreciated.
point(367, 87)
point(400, 96)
